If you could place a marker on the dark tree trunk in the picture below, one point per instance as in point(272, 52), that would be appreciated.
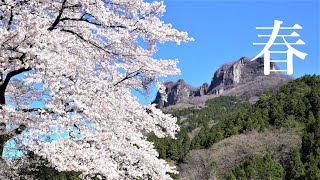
point(2, 98)
point(7, 136)
point(3, 86)
point(2, 101)
point(3, 139)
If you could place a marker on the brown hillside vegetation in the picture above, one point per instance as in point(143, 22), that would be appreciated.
point(229, 152)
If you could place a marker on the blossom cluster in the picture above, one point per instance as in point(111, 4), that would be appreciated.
point(81, 60)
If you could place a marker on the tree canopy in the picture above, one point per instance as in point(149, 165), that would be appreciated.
point(78, 61)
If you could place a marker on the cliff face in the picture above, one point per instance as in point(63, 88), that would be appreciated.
point(238, 72)
point(226, 81)
point(177, 92)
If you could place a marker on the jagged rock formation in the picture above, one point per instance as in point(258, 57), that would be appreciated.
point(203, 90)
point(242, 78)
point(176, 92)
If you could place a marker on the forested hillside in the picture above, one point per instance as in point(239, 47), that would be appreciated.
point(191, 120)
point(289, 119)
point(295, 108)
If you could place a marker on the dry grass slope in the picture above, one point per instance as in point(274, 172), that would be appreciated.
point(231, 151)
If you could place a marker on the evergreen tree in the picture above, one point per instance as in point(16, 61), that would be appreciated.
point(257, 167)
point(186, 143)
point(173, 152)
point(312, 168)
point(308, 139)
point(314, 98)
point(296, 168)
point(230, 176)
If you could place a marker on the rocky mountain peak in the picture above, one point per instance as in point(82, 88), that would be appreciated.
point(227, 78)
point(237, 72)
point(176, 92)
point(181, 81)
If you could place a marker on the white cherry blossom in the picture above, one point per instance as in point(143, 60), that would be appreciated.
point(81, 60)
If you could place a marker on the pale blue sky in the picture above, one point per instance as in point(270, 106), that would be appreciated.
point(224, 31)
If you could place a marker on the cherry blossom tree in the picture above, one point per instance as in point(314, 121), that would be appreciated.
point(80, 61)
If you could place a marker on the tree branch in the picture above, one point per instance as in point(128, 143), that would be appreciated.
point(128, 76)
point(80, 19)
point(50, 111)
point(91, 22)
point(5, 137)
point(5, 83)
point(87, 41)
point(57, 20)
point(10, 20)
